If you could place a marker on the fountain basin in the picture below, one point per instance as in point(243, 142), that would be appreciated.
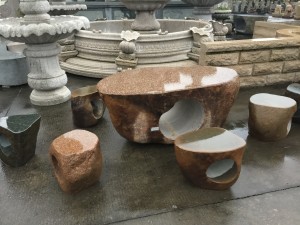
point(155, 105)
point(101, 44)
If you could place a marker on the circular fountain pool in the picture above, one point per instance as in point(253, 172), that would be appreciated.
point(99, 47)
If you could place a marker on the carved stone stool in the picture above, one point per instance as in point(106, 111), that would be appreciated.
point(270, 116)
point(210, 158)
point(18, 135)
point(87, 106)
point(293, 91)
point(77, 160)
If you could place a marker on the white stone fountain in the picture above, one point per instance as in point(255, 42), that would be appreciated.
point(111, 45)
point(40, 32)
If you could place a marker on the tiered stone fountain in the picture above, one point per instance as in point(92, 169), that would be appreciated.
point(110, 46)
point(41, 32)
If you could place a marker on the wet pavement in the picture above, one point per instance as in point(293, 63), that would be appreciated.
point(141, 183)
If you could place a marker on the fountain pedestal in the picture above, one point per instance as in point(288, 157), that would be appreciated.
point(46, 77)
point(41, 32)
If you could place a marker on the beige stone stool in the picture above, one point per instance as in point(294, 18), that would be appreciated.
point(77, 160)
point(270, 116)
point(210, 158)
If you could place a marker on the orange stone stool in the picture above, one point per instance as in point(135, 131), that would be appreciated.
point(270, 116)
point(77, 160)
point(210, 158)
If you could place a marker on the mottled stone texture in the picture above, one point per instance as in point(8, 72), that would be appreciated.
point(18, 135)
point(77, 160)
point(197, 151)
point(136, 99)
point(270, 116)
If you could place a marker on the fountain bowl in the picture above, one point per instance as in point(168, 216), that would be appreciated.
point(59, 27)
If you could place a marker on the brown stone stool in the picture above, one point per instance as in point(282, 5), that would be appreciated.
point(77, 160)
point(210, 158)
point(87, 106)
point(270, 116)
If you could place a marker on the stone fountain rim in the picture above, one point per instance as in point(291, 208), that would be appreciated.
point(143, 36)
point(69, 25)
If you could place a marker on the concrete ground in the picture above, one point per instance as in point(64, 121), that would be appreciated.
point(142, 184)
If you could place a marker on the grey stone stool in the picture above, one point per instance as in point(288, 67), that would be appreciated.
point(18, 135)
point(270, 116)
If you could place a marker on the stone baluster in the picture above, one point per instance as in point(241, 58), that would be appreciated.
point(127, 57)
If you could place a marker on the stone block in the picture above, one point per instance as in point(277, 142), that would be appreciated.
point(284, 54)
point(297, 77)
point(18, 135)
point(255, 56)
point(267, 68)
point(243, 70)
point(77, 160)
point(291, 66)
point(280, 78)
point(250, 81)
point(219, 59)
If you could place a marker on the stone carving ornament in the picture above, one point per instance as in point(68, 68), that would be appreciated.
point(127, 57)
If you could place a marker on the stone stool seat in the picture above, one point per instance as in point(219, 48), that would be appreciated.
point(210, 158)
point(87, 106)
point(77, 160)
point(155, 105)
point(270, 116)
point(18, 135)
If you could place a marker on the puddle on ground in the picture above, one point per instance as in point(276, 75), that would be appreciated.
point(239, 128)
